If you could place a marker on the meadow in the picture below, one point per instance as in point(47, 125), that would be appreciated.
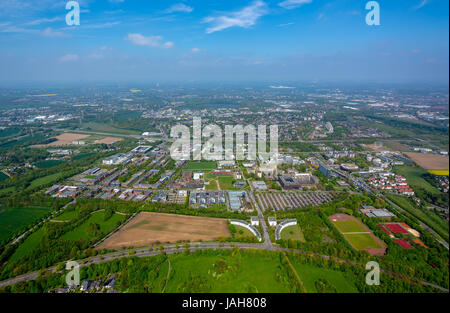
point(30, 243)
point(414, 177)
point(293, 232)
point(311, 275)
point(13, 220)
point(82, 231)
point(48, 163)
point(244, 272)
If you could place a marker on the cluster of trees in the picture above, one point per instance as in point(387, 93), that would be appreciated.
point(425, 264)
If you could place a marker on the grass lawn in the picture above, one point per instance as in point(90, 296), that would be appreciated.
point(81, 232)
point(349, 227)
point(212, 185)
point(293, 232)
point(46, 180)
point(28, 245)
point(226, 183)
point(236, 274)
point(310, 275)
point(6, 190)
point(362, 241)
point(67, 216)
point(200, 165)
point(82, 156)
point(13, 220)
point(242, 232)
point(3, 176)
point(48, 164)
point(414, 177)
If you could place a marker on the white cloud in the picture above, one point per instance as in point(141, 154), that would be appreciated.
point(180, 7)
point(293, 4)
point(150, 41)
point(44, 20)
point(195, 50)
point(69, 58)
point(421, 4)
point(245, 18)
point(49, 32)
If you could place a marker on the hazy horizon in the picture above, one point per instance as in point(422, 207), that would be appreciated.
point(126, 41)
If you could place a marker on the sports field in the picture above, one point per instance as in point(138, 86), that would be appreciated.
point(200, 165)
point(357, 235)
point(152, 228)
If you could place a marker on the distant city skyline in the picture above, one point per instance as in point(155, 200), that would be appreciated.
point(200, 41)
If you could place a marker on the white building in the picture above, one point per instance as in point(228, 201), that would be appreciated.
point(255, 221)
point(272, 221)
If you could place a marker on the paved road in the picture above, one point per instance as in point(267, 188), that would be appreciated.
point(173, 249)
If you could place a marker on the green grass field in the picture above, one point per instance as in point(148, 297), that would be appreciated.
point(31, 243)
point(48, 164)
point(46, 180)
point(200, 165)
point(212, 185)
point(362, 241)
point(414, 177)
point(67, 216)
point(3, 176)
point(310, 275)
point(349, 227)
point(226, 183)
point(81, 232)
point(242, 232)
point(225, 274)
point(293, 232)
point(13, 220)
point(107, 128)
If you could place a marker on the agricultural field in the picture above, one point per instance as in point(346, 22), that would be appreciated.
point(83, 232)
point(150, 228)
point(13, 220)
point(358, 235)
point(65, 139)
point(430, 161)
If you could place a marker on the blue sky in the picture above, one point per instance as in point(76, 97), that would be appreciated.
point(224, 40)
